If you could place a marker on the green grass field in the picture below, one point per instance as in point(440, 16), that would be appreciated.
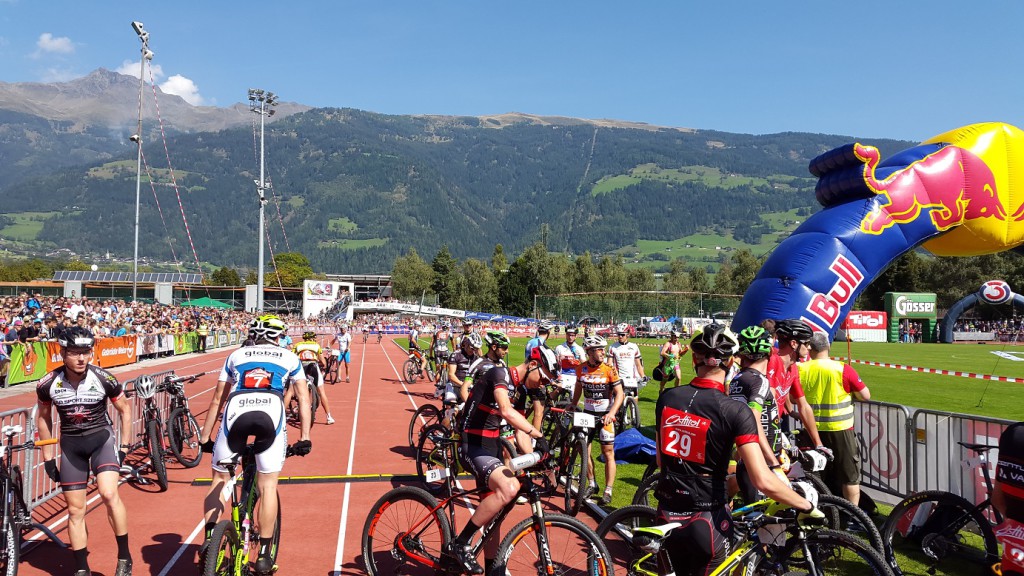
point(26, 226)
point(353, 244)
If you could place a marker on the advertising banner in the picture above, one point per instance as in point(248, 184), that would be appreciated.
point(322, 295)
point(116, 351)
point(28, 362)
point(185, 343)
point(428, 310)
point(222, 339)
point(866, 326)
point(154, 344)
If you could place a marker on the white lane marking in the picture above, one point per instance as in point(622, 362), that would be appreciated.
point(339, 556)
point(181, 549)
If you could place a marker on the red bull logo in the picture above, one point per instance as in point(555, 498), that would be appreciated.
point(953, 184)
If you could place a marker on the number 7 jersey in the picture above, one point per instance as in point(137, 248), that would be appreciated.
point(261, 368)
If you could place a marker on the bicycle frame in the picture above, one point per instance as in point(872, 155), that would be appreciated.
point(243, 503)
point(15, 507)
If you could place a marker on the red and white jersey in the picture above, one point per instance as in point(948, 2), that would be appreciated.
point(624, 358)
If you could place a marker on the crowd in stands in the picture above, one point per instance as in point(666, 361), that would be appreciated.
point(1005, 326)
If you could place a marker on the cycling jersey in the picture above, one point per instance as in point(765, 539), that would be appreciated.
point(344, 340)
point(697, 428)
point(569, 357)
point(308, 351)
point(624, 356)
point(482, 420)
point(533, 343)
point(753, 389)
point(598, 384)
point(784, 382)
point(462, 364)
point(82, 408)
point(1010, 470)
point(441, 344)
point(262, 367)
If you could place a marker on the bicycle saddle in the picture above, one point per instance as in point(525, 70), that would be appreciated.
point(979, 448)
point(659, 531)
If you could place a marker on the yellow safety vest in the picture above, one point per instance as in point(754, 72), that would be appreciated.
point(822, 381)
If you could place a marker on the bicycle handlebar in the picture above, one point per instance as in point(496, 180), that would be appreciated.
point(47, 442)
point(180, 379)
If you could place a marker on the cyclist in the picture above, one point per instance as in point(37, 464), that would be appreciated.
point(625, 357)
point(249, 398)
point(493, 400)
point(468, 327)
point(79, 391)
point(601, 388)
point(751, 387)
point(312, 357)
point(794, 337)
point(460, 362)
point(670, 353)
point(497, 350)
point(1008, 498)
point(440, 344)
point(570, 355)
point(414, 336)
point(698, 425)
point(343, 340)
point(543, 330)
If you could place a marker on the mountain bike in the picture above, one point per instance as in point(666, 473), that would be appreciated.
point(413, 370)
point(292, 410)
point(235, 543)
point(152, 439)
point(628, 415)
point(567, 436)
point(331, 369)
point(407, 532)
point(16, 518)
point(437, 458)
point(183, 431)
point(945, 531)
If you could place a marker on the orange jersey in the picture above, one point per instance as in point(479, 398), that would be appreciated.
point(598, 384)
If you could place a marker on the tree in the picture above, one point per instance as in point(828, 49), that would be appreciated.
point(585, 275)
point(411, 276)
point(224, 276)
point(612, 273)
point(677, 279)
point(449, 284)
point(641, 279)
point(723, 280)
point(291, 269)
point(499, 262)
point(699, 279)
point(528, 276)
point(745, 268)
point(482, 286)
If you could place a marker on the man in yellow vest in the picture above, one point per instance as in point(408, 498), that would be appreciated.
point(203, 331)
point(830, 388)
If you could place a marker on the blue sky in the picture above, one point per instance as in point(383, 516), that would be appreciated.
point(905, 70)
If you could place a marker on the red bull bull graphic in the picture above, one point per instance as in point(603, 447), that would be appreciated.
point(960, 193)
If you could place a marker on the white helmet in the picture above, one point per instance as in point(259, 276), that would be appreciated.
point(545, 326)
point(145, 387)
point(594, 341)
point(622, 328)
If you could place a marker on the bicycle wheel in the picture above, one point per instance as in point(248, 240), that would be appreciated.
point(644, 495)
point(222, 555)
point(411, 371)
point(572, 548)
point(942, 532)
point(183, 437)
point(630, 413)
point(436, 452)
point(314, 403)
point(616, 531)
point(156, 453)
point(830, 553)
point(404, 533)
point(651, 470)
point(423, 416)
point(841, 515)
point(574, 475)
point(10, 539)
point(254, 533)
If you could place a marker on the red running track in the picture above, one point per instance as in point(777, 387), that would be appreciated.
point(322, 522)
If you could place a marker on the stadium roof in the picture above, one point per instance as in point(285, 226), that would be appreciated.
point(146, 277)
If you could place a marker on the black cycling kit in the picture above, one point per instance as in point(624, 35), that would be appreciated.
point(753, 389)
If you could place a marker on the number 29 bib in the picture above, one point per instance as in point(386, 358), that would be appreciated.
point(684, 435)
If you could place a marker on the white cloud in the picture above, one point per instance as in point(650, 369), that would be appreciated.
point(47, 43)
point(184, 87)
point(131, 68)
point(58, 75)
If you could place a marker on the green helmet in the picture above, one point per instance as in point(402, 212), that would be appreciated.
point(755, 340)
point(495, 338)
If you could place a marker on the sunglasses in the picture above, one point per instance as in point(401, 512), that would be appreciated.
point(503, 347)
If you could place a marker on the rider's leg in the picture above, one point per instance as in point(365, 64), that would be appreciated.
point(268, 506)
point(213, 506)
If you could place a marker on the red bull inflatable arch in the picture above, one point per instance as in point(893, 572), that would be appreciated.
point(958, 194)
point(991, 292)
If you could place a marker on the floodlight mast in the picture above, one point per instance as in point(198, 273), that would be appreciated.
point(259, 102)
point(146, 54)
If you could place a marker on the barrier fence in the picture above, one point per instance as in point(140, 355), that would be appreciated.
point(30, 362)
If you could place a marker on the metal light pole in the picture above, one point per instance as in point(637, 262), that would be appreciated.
point(259, 102)
point(137, 138)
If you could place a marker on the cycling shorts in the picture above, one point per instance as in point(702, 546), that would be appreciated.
point(479, 461)
point(605, 435)
point(257, 414)
point(313, 373)
point(345, 356)
point(701, 543)
point(79, 454)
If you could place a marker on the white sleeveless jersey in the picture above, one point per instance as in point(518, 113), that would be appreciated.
point(624, 358)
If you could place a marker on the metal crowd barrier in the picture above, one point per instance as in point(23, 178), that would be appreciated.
point(884, 436)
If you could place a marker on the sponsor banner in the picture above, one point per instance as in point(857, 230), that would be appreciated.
point(28, 362)
point(910, 305)
point(222, 339)
point(323, 295)
point(866, 326)
point(153, 344)
point(408, 308)
point(185, 343)
point(116, 351)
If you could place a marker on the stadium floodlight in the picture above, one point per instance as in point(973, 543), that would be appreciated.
point(147, 54)
point(261, 102)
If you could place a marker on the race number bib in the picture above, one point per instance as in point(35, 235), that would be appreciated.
point(684, 435)
point(307, 355)
point(596, 404)
point(567, 381)
point(257, 378)
point(629, 382)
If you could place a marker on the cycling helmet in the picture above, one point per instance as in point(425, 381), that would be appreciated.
point(545, 326)
point(793, 329)
point(145, 387)
point(714, 341)
point(572, 330)
point(675, 334)
point(755, 341)
point(310, 335)
point(622, 329)
point(494, 338)
point(545, 358)
point(474, 340)
point(76, 337)
point(594, 341)
point(267, 326)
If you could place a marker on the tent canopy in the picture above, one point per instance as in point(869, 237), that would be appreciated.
point(207, 302)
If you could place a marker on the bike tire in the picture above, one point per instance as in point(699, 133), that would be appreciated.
point(411, 371)
point(575, 484)
point(183, 435)
point(910, 530)
point(254, 533)
point(644, 495)
point(572, 548)
point(154, 438)
point(314, 403)
point(423, 416)
point(833, 553)
point(616, 533)
point(221, 556)
point(651, 470)
point(630, 415)
point(843, 516)
point(435, 452)
point(403, 509)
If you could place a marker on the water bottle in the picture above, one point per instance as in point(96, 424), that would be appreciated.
point(525, 461)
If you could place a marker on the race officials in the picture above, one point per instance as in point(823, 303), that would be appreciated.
point(830, 388)
point(249, 395)
point(698, 425)
point(79, 391)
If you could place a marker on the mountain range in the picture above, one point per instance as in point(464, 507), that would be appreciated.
point(353, 189)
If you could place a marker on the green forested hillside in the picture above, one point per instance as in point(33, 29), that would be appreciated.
point(357, 189)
